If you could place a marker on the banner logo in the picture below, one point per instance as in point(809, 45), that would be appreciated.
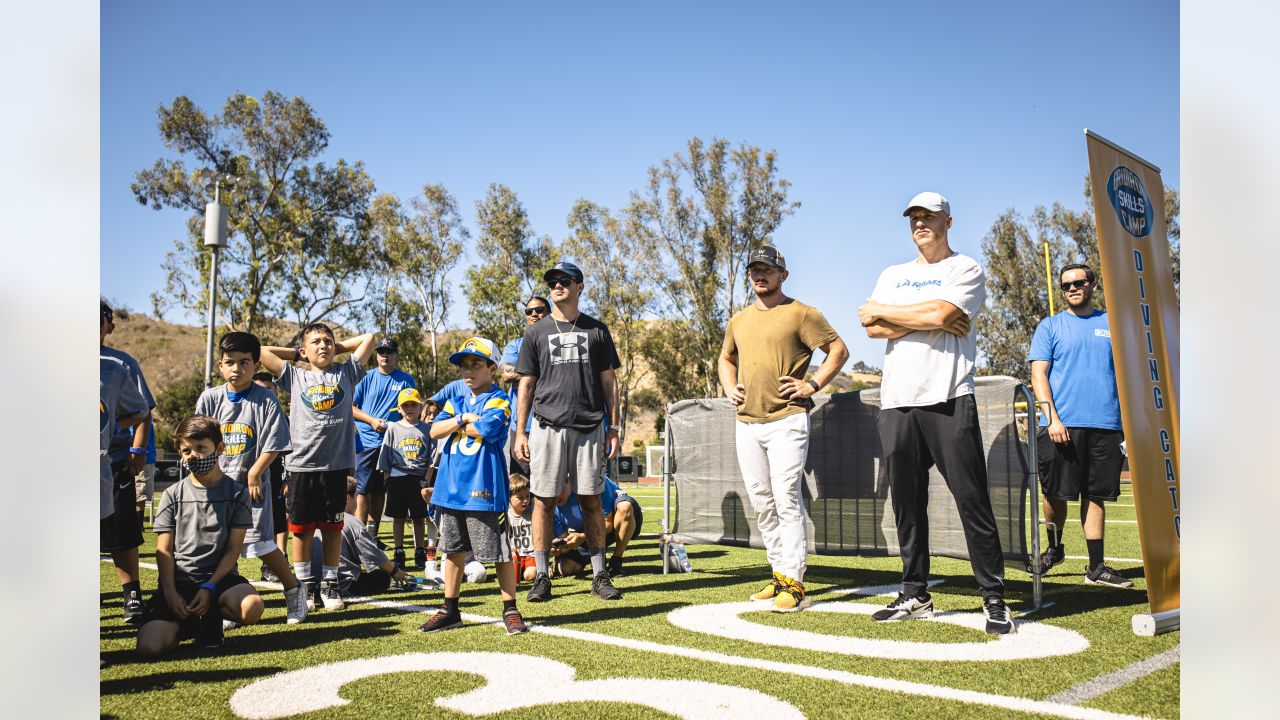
point(237, 438)
point(1129, 198)
point(323, 397)
point(409, 448)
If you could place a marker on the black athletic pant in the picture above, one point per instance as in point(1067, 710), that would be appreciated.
point(915, 439)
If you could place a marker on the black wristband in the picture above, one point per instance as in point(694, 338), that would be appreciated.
point(297, 354)
point(814, 385)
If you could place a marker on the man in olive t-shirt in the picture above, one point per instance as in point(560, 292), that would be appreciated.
point(766, 353)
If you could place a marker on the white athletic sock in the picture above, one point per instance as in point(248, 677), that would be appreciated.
point(329, 572)
point(302, 570)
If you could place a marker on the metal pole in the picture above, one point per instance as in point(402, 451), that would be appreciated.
point(1048, 276)
point(1033, 424)
point(666, 493)
point(213, 302)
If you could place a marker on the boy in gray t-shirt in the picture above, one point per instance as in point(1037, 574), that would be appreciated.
point(323, 444)
point(405, 458)
point(254, 433)
point(200, 526)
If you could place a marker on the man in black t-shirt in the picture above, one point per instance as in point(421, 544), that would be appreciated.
point(567, 385)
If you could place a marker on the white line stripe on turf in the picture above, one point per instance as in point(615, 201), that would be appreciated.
point(1103, 684)
point(1110, 559)
point(1017, 704)
point(1126, 522)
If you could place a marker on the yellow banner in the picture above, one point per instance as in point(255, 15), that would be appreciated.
point(1142, 310)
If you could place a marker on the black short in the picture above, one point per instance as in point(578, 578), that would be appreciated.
point(370, 583)
point(158, 609)
point(612, 538)
point(316, 497)
point(122, 529)
point(404, 497)
point(516, 465)
point(279, 519)
point(1089, 464)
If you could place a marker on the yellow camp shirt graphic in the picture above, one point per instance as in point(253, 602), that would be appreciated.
point(322, 397)
point(409, 448)
point(237, 438)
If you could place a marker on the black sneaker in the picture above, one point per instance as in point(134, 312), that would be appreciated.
point(906, 607)
point(603, 589)
point(329, 595)
point(998, 620)
point(442, 621)
point(269, 576)
point(420, 557)
point(133, 608)
point(1048, 559)
point(541, 590)
point(398, 558)
point(1103, 575)
point(615, 567)
point(514, 622)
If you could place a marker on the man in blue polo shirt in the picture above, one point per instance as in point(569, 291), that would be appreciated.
point(373, 406)
point(534, 310)
point(1074, 378)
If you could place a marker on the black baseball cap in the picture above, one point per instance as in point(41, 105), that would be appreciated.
point(769, 256)
point(387, 344)
point(563, 268)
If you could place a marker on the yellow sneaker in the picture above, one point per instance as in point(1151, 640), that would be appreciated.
point(791, 598)
point(768, 592)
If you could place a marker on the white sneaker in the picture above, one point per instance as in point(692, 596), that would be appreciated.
point(229, 624)
point(905, 607)
point(295, 605)
point(329, 595)
point(311, 591)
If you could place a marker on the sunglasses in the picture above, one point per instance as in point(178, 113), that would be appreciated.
point(561, 280)
point(540, 310)
point(1072, 285)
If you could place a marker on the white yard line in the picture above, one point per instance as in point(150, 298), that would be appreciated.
point(1122, 522)
point(1103, 684)
point(1006, 702)
point(1110, 559)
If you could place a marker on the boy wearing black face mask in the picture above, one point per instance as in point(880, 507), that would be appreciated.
point(200, 526)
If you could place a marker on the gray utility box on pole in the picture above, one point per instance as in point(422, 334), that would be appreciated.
point(215, 238)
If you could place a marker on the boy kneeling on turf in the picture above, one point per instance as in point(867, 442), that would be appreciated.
point(200, 526)
point(470, 493)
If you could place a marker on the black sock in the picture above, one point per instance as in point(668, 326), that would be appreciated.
point(451, 605)
point(1053, 537)
point(508, 605)
point(1095, 553)
point(131, 588)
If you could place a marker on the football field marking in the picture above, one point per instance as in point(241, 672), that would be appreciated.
point(1103, 684)
point(907, 687)
point(542, 682)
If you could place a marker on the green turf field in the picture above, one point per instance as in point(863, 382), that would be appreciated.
point(635, 650)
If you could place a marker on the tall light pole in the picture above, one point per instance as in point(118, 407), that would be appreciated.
point(215, 238)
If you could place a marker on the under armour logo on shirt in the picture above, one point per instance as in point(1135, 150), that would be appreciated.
point(568, 347)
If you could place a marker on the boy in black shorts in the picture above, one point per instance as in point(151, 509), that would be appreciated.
point(323, 451)
point(200, 526)
point(470, 494)
point(404, 459)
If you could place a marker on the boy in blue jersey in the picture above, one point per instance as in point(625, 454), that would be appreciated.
point(470, 494)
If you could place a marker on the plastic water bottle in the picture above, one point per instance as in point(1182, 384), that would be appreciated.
point(681, 556)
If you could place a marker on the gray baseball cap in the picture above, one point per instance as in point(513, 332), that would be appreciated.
point(929, 201)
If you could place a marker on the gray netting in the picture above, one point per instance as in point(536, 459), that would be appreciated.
point(846, 494)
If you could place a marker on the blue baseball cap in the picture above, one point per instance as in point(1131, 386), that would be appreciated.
point(563, 268)
point(478, 346)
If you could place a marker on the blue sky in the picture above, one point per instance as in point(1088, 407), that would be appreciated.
point(865, 104)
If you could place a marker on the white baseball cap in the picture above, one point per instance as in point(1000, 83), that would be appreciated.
point(928, 201)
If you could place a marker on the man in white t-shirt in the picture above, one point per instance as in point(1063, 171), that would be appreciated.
point(928, 416)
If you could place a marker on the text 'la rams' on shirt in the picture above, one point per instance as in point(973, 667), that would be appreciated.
point(1082, 373)
point(473, 470)
point(251, 425)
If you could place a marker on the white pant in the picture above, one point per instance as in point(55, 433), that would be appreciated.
point(772, 456)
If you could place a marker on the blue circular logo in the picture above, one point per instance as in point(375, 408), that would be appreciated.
point(1129, 198)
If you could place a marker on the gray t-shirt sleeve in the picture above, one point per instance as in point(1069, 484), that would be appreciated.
point(164, 512)
point(275, 431)
point(371, 556)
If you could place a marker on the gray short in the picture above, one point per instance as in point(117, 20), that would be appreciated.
point(259, 539)
point(555, 452)
point(474, 531)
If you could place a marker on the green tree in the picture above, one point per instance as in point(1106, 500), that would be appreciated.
point(512, 260)
point(699, 216)
point(176, 401)
point(297, 229)
point(418, 250)
point(618, 292)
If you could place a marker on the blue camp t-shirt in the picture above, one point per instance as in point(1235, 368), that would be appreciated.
point(473, 470)
point(569, 515)
point(376, 395)
point(1082, 374)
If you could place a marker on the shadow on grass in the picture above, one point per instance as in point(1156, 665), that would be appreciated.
point(299, 637)
point(612, 611)
point(168, 680)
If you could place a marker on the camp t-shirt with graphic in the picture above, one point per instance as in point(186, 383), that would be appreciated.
point(122, 439)
point(320, 419)
point(771, 343)
point(567, 359)
point(201, 520)
point(406, 449)
point(251, 424)
point(376, 395)
point(473, 470)
point(1082, 372)
point(927, 367)
point(520, 530)
point(118, 397)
